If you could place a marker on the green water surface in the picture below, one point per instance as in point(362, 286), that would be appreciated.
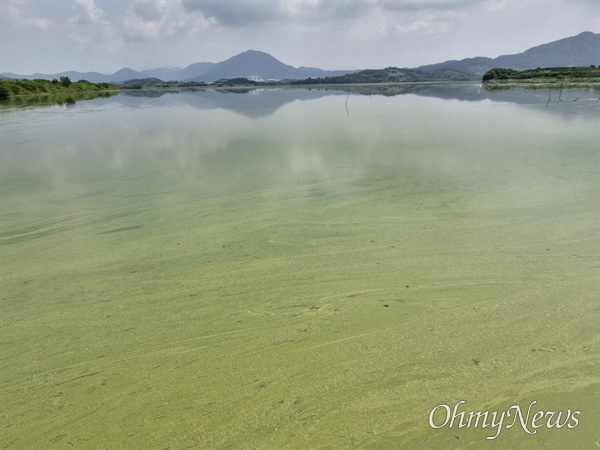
point(228, 270)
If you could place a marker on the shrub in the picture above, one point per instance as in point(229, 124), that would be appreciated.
point(4, 92)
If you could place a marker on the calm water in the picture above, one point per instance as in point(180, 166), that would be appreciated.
point(299, 269)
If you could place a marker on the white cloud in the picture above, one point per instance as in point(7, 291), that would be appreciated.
point(91, 30)
point(149, 10)
point(36, 23)
point(384, 23)
point(13, 16)
point(162, 19)
point(88, 12)
point(436, 5)
point(236, 14)
point(246, 13)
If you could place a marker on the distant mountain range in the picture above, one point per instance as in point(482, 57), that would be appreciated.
point(251, 64)
point(580, 50)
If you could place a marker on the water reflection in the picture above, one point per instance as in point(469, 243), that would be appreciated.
point(248, 102)
point(290, 130)
point(67, 100)
point(260, 102)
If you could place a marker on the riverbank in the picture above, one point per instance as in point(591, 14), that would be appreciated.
point(55, 91)
point(542, 84)
point(546, 77)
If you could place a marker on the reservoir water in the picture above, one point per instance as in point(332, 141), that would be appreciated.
point(300, 269)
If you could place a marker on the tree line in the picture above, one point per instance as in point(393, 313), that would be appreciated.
point(499, 73)
point(10, 89)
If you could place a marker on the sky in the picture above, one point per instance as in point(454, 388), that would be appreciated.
point(51, 36)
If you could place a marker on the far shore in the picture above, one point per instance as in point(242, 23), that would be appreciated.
point(88, 91)
point(544, 83)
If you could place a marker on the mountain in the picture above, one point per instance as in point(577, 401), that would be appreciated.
point(193, 71)
point(162, 73)
point(251, 64)
point(94, 77)
point(258, 66)
point(580, 50)
point(124, 75)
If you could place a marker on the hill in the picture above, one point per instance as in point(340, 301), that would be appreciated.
point(251, 64)
point(580, 50)
point(259, 66)
point(389, 75)
point(192, 71)
point(563, 74)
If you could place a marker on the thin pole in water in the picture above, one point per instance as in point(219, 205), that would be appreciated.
point(347, 110)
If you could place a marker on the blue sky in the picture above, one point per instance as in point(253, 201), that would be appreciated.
point(106, 35)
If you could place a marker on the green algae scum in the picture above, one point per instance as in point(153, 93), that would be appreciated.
point(295, 269)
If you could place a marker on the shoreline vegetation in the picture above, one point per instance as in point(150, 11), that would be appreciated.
point(542, 77)
point(63, 91)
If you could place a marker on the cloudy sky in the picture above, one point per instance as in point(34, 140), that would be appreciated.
point(106, 35)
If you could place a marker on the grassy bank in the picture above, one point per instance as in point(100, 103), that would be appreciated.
point(23, 91)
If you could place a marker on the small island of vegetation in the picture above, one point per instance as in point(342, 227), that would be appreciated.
point(388, 75)
point(548, 75)
point(52, 91)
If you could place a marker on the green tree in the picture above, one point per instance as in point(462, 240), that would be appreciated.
point(65, 81)
point(4, 92)
point(499, 74)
